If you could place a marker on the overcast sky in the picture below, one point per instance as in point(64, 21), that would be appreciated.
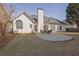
point(56, 10)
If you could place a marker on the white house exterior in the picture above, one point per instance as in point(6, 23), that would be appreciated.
point(56, 28)
point(56, 25)
point(24, 23)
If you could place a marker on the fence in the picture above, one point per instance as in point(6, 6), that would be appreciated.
point(72, 30)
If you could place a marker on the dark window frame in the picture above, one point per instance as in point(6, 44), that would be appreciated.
point(60, 27)
point(30, 25)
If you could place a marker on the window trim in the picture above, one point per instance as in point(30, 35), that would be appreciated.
point(30, 25)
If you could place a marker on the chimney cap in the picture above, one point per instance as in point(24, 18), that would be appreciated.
point(40, 9)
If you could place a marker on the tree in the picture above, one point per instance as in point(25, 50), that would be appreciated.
point(72, 13)
point(5, 19)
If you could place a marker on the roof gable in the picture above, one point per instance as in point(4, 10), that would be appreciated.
point(25, 14)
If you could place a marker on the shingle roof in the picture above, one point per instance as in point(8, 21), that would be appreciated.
point(54, 21)
point(35, 18)
point(49, 20)
point(66, 22)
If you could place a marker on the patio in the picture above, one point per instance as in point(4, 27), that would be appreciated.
point(53, 37)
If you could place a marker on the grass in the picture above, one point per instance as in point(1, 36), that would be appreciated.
point(29, 44)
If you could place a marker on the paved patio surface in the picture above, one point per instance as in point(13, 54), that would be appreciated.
point(53, 37)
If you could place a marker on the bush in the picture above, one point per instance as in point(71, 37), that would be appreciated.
point(49, 31)
point(46, 31)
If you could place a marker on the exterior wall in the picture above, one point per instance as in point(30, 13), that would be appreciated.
point(71, 26)
point(26, 25)
point(74, 26)
point(56, 28)
point(49, 27)
point(40, 14)
point(52, 27)
point(63, 28)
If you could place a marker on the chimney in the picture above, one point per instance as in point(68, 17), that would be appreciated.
point(40, 14)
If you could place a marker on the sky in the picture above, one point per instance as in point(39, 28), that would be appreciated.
point(55, 10)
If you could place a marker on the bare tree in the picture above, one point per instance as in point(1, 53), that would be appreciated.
point(5, 19)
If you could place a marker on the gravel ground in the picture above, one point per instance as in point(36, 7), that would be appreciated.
point(30, 45)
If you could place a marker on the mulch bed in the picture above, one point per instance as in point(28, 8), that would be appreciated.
point(5, 39)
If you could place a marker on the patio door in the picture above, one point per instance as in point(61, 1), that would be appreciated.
point(53, 28)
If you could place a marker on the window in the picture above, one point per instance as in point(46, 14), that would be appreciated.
point(19, 24)
point(60, 27)
point(30, 25)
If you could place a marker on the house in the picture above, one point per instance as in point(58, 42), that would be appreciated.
point(70, 25)
point(55, 25)
point(25, 23)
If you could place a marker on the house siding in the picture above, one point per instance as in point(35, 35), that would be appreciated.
point(63, 28)
point(56, 28)
point(26, 25)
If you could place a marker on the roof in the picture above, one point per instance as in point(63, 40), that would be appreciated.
point(66, 22)
point(35, 18)
point(24, 13)
point(49, 20)
point(54, 21)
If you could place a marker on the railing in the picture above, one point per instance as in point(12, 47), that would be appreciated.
point(72, 30)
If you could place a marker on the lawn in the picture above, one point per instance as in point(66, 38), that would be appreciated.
point(30, 45)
